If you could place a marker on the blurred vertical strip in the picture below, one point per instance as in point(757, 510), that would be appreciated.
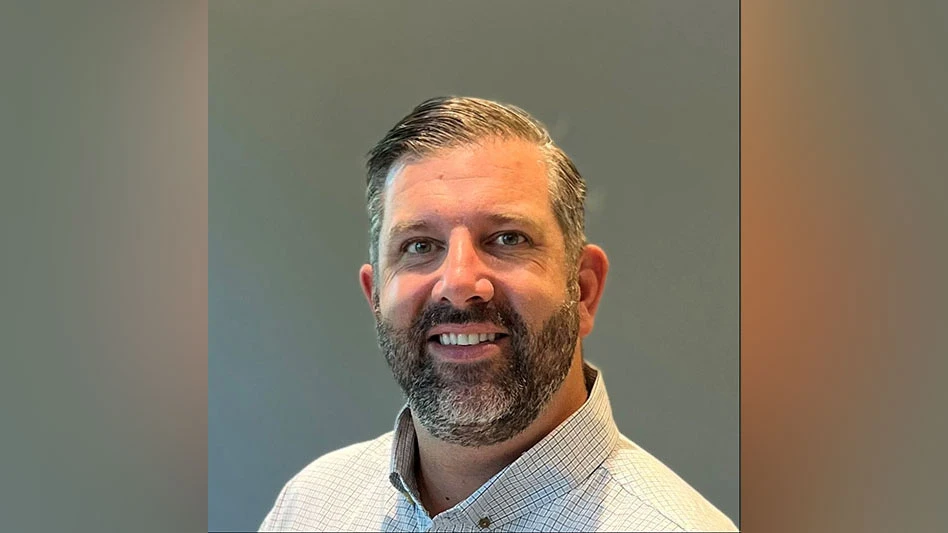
point(844, 215)
point(103, 369)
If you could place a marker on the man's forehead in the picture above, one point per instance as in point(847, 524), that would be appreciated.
point(514, 160)
point(475, 188)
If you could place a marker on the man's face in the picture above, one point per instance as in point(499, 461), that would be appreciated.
point(475, 305)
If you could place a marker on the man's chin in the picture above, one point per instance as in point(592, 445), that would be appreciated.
point(467, 410)
point(469, 375)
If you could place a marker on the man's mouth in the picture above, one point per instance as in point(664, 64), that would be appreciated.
point(465, 339)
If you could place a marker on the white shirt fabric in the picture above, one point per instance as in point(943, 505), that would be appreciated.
point(583, 476)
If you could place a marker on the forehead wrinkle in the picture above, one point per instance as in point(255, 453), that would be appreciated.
point(456, 171)
point(471, 150)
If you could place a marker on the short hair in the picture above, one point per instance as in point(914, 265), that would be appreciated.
point(450, 121)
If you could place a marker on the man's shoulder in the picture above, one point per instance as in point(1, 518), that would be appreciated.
point(650, 485)
point(335, 479)
point(349, 465)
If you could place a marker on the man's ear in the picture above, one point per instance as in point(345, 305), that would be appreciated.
point(593, 268)
point(366, 281)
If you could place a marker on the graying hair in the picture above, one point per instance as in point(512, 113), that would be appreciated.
point(449, 122)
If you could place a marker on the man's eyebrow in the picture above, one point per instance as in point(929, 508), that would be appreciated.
point(516, 220)
point(409, 226)
point(499, 219)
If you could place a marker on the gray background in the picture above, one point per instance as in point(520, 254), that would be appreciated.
point(642, 95)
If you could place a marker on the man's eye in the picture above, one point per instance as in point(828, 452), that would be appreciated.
point(510, 239)
point(418, 247)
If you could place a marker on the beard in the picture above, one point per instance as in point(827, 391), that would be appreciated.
point(483, 402)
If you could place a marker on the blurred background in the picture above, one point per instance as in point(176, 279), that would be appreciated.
point(642, 95)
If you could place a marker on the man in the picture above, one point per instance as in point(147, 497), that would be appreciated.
point(483, 286)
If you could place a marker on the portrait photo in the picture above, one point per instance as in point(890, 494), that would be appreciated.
point(473, 266)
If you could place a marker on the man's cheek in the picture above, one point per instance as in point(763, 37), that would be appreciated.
point(401, 307)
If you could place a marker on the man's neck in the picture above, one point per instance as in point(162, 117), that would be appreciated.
point(448, 473)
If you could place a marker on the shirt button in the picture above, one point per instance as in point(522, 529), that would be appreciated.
point(484, 522)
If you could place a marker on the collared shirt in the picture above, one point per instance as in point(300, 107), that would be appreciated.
point(583, 476)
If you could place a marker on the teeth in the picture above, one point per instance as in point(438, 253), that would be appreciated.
point(466, 339)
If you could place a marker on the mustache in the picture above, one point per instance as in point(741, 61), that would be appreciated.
point(438, 313)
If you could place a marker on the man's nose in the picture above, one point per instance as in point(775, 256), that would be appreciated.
point(464, 276)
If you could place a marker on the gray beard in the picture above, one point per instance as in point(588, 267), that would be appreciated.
point(485, 402)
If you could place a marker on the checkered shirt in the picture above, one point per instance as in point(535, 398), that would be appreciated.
point(583, 476)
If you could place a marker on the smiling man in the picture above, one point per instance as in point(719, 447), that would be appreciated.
point(483, 286)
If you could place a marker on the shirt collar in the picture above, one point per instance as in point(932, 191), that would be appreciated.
point(552, 467)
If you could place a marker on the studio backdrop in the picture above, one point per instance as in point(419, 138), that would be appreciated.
point(642, 95)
